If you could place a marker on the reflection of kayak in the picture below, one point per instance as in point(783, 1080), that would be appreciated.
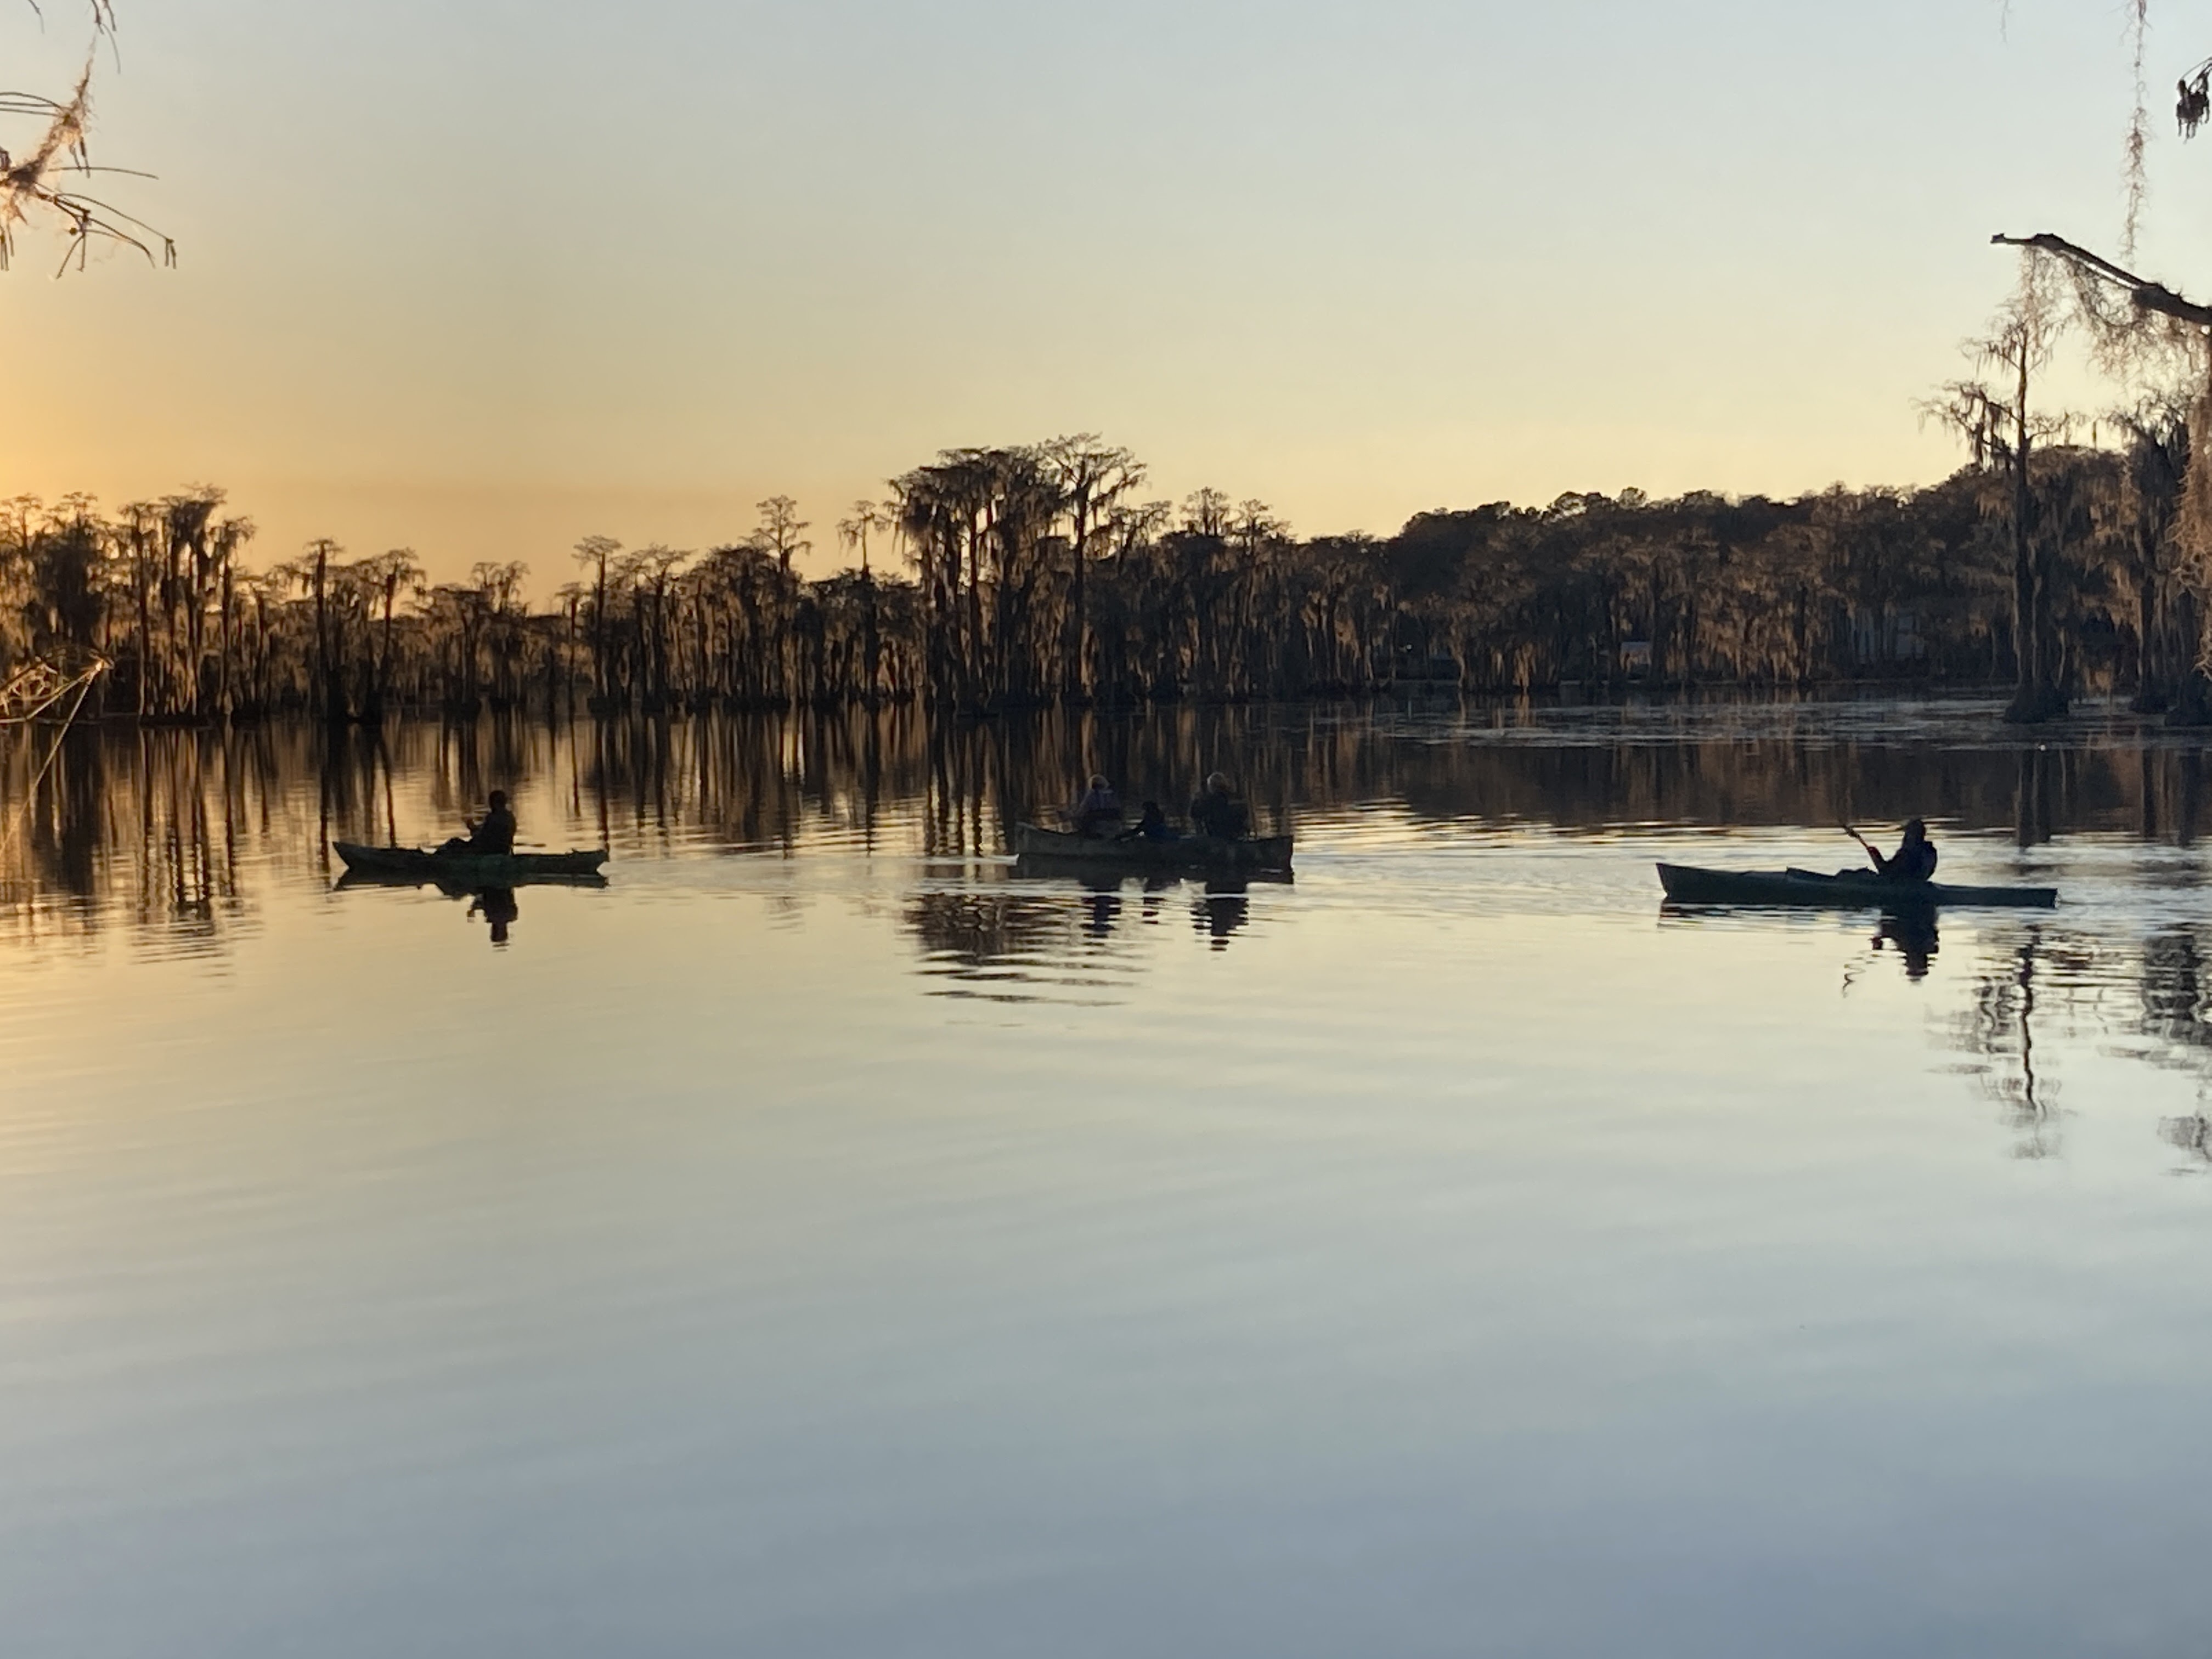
point(1687, 886)
point(467, 869)
point(1187, 853)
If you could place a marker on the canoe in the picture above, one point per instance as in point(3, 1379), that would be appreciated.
point(1101, 876)
point(1687, 884)
point(1189, 852)
point(470, 869)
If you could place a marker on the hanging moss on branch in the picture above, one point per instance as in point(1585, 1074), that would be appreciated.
point(48, 181)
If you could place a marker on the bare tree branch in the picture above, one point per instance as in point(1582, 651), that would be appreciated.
point(36, 183)
point(2147, 296)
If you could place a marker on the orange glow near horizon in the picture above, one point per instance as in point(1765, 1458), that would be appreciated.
point(629, 275)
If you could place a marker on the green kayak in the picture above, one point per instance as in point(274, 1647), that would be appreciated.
point(1131, 852)
point(1687, 884)
point(467, 869)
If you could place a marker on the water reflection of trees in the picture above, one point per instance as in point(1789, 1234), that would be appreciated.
point(2120, 785)
point(1998, 1026)
point(2143, 1000)
point(154, 827)
point(1003, 944)
point(2174, 1016)
point(955, 789)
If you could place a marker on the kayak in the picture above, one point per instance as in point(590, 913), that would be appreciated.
point(1686, 884)
point(472, 869)
point(1185, 852)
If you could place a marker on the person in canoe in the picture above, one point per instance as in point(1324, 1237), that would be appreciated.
point(491, 835)
point(1153, 824)
point(1913, 860)
point(1099, 811)
point(1217, 812)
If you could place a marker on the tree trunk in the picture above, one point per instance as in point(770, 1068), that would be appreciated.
point(2036, 698)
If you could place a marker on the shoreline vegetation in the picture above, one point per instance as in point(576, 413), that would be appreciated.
point(997, 580)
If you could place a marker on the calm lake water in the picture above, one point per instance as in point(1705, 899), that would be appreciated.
point(827, 1238)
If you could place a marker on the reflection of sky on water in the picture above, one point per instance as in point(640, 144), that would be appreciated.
point(830, 1237)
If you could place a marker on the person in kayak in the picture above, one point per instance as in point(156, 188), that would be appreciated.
point(1215, 811)
point(1099, 811)
point(1914, 860)
point(490, 837)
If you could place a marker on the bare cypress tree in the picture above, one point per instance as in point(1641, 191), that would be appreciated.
point(2140, 326)
point(1093, 478)
point(2003, 431)
point(595, 554)
point(868, 516)
point(326, 697)
point(780, 525)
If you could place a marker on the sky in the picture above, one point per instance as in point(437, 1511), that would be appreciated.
point(481, 278)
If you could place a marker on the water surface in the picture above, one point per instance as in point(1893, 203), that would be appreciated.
point(829, 1238)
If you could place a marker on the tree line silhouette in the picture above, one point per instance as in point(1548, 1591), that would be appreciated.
point(994, 580)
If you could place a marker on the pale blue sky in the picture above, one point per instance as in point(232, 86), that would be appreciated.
point(485, 277)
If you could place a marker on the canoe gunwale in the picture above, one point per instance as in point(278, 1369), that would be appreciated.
point(1199, 853)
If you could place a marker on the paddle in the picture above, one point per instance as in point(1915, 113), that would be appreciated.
point(1864, 842)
